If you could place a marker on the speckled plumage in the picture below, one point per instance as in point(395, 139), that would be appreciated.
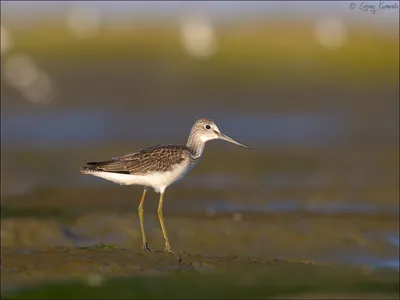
point(160, 158)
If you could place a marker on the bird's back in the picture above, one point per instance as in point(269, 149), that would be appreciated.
point(162, 158)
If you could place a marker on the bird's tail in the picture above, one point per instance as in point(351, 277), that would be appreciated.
point(87, 169)
point(92, 167)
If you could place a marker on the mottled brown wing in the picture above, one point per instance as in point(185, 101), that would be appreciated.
point(154, 159)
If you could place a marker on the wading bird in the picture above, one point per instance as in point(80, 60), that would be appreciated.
point(158, 167)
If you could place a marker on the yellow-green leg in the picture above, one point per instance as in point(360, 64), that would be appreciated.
point(140, 209)
point(161, 218)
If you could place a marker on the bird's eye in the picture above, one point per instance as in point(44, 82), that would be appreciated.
point(208, 126)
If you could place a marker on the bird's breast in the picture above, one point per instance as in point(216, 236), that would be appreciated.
point(160, 180)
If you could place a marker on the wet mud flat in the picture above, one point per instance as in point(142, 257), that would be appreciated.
point(102, 273)
point(97, 255)
point(67, 244)
point(318, 237)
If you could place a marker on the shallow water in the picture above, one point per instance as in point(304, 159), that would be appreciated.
point(216, 206)
point(81, 127)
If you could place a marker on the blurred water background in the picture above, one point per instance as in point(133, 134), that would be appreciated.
point(313, 87)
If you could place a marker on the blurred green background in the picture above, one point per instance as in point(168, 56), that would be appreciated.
point(313, 87)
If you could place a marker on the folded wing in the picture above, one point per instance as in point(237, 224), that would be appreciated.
point(149, 160)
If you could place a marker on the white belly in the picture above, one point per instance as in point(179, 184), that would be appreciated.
point(157, 180)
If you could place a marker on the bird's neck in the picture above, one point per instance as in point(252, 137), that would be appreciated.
point(195, 145)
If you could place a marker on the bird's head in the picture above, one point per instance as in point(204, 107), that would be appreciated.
point(206, 130)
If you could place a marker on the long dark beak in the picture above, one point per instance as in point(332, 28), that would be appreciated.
point(228, 139)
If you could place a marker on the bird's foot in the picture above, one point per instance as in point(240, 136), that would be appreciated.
point(168, 250)
point(146, 247)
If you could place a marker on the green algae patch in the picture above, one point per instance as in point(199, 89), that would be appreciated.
point(105, 246)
